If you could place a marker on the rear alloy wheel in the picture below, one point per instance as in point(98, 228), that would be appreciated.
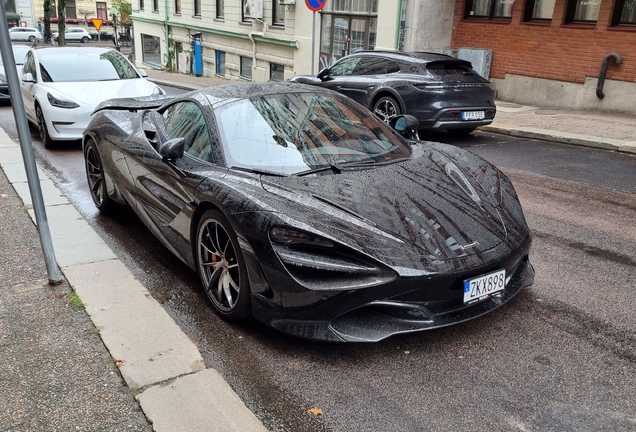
point(85, 39)
point(386, 108)
point(221, 267)
point(31, 39)
point(460, 132)
point(42, 130)
point(96, 177)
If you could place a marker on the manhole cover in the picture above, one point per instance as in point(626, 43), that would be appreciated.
point(508, 105)
point(547, 112)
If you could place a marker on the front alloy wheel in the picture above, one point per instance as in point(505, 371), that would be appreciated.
point(222, 267)
point(96, 178)
point(42, 130)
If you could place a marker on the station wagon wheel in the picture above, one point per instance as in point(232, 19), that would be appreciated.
point(85, 39)
point(386, 108)
point(96, 177)
point(221, 267)
point(31, 39)
point(42, 130)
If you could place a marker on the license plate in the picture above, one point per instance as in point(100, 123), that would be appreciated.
point(483, 287)
point(473, 115)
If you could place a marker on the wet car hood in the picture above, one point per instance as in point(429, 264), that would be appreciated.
point(428, 203)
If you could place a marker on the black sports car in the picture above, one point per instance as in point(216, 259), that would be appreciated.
point(442, 92)
point(298, 207)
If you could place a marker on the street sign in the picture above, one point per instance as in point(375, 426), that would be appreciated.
point(316, 5)
point(97, 22)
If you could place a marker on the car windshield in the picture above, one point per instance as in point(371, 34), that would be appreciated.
point(294, 133)
point(85, 66)
point(19, 54)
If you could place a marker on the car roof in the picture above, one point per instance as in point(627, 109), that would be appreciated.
point(70, 49)
point(243, 90)
point(415, 56)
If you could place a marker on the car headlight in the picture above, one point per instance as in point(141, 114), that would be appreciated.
point(322, 265)
point(60, 102)
point(158, 91)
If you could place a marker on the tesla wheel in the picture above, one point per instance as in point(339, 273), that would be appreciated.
point(386, 108)
point(42, 130)
point(221, 266)
point(31, 39)
point(96, 177)
point(85, 39)
point(460, 132)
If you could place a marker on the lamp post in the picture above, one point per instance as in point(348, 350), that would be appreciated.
point(114, 12)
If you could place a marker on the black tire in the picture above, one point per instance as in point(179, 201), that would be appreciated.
point(31, 39)
point(461, 131)
point(96, 177)
point(221, 267)
point(386, 108)
point(85, 39)
point(42, 130)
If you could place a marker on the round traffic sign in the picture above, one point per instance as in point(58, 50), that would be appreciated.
point(315, 5)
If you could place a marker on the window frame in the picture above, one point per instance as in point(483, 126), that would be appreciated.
point(141, 5)
point(197, 8)
point(617, 13)
point(177, 7)
point(245, 4)
point(220, 9)
point(218, 56)
point(155, 5)
point(491, 11)
point(275, 7)
point(529, 9)
point(242, 58)
point(271, 72)
point(570, 12)
point(70, 6)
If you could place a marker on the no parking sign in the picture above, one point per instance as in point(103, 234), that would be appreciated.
point(315, 5)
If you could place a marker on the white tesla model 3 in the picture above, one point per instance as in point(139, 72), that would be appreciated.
point(61, 86)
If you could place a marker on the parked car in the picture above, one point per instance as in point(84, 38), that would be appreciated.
point(25, 34)
point(19, 54)
point(75, 34)
point(297, 206)
point(61, 86)
point(442, 92)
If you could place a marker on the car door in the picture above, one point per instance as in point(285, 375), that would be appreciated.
point(368, 75)
point(338, 75)
point(165, 190)
point(26, 88)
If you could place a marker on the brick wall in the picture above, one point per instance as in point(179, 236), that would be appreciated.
point(565, 52)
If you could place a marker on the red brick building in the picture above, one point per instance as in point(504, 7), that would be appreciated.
point(549, 52)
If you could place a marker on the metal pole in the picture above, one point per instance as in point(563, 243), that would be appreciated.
point(27, 150)
point(313, 43)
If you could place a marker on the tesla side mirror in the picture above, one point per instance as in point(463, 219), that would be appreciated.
point(143, 73)
point(323, 74)
point(172, 149)
point(28, 77)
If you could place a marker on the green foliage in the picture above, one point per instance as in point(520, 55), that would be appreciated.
point(125, 10)
point(75, 299)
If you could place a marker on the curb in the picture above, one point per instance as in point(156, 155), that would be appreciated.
point(562, 137)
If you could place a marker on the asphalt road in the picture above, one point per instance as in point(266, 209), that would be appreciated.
point(560, 356)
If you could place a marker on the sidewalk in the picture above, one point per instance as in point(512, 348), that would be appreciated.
point(586, 128)
point(97, 353)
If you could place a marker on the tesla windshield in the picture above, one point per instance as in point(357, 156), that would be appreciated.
point(296, 133)
point(85, 66)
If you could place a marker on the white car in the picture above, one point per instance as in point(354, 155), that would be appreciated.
point(77, 34)
point(19, 54)
point(61, 86)
point(25, 34)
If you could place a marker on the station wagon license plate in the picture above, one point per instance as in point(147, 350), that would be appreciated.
point(483, 287)
point(473, 115)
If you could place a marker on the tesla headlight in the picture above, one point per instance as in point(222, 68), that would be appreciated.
point(60, 102)
point(158, 91)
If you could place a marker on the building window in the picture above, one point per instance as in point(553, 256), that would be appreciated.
point(101, 10)
point(177, 7)
point(220, 8)
point(583, 11)
point(141, 5)
point(246, 13)
point(155, 5)
point(539, 10)
point(489, 9)
point(276, 72)
point(246, 67)
point(151, 49)
point(69, 9)
point(53, 10)
point(220, 63)
point(625, 13)
point(197, 8)
point(278, 13)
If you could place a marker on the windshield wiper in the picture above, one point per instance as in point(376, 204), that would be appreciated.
point(258, 171)
point(333, 166)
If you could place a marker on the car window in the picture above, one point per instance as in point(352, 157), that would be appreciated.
point(291, 133)
point(371, 66)
point(392, 67)
point(84, 66)
point(185, 119)
point(29, 65)
point(344, 68)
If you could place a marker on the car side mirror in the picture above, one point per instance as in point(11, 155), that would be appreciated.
point(142, 73)
point(28, 77)
point(406, 125)
point(323, 74)
point(172, 149)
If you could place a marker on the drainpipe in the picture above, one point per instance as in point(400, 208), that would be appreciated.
point(251, 36)
point(601, 76)
point(165, 7)
point(401, 26)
